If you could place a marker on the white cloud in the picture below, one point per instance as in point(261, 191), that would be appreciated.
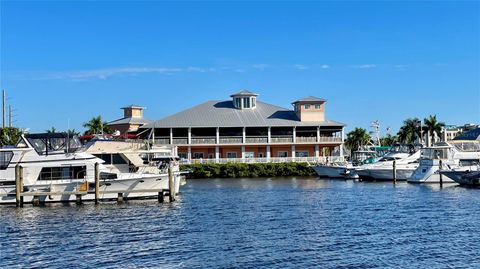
point(300, 67)
point(324, 66)
point(240, 70)
point(260, 66)
point(365, 66)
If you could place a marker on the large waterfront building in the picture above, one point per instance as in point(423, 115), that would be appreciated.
point(244, 128)
point(131, 121)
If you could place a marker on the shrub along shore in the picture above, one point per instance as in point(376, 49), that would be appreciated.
point(244, 170)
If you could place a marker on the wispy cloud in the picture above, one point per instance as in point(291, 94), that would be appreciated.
point(324, 66)
point(364, 66)
point(261, 66)
point(300, 67)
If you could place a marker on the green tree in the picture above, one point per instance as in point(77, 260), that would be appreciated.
point(410, 130)
point(97, 126)
point(433, 127)
point(51, 130)
point(9, 136)
point(357, 138)
point(72, 132)
point(388, 140)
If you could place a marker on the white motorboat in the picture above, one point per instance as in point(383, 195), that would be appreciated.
point(405, 158)
point(466, 175)
point(447, 155)
point(134, 158)
point(54, 163)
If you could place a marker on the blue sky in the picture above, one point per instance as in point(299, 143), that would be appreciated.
point(67, 61)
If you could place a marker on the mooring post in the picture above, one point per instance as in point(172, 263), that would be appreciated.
point(440, 167)
point(171, 184)
point(97, 183)
point(394, 171)
point(160, 197)
point(120, 197)
point(19, 185)
point(36, 201)
point(78, 199)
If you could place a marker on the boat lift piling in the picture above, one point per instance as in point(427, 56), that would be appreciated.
point(171, 184)
point(394, 171)
point(440, 166)
point(97, 183)
point(18, 185)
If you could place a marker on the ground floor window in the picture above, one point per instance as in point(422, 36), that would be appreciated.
point(182, 155)
point(198, 155)
point(249, 154)
point(210, 156)
point(283, 154)
point(261, 155)
point(231, 155)
point(301, 154)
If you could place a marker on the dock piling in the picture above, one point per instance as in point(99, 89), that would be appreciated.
point(171, 184)
point(19, 185)
point(394, 171)
point(160, 197)
point(97, 183)
point(36, 201)
point(78, 199)
point(120, 198)
point(440, 166)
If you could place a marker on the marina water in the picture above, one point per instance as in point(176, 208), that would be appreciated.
point(255, 223)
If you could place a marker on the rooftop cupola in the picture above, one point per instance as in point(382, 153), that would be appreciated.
point(133, 111)
point(244, 99)
point(310, 108)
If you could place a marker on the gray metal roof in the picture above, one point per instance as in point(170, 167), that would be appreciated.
point(224, 114)
point(130, 120)
point(133, 106)
point(244, 93)
point(310, 99)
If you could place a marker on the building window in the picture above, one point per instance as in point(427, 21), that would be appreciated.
point(249, 155)
point(283, 154)
point(301, 154)
point(307, 106)
point(246, 102)
point(238, 102)
point(198, 155)
point(182, 155)
point(318, 106)
point(231, 155)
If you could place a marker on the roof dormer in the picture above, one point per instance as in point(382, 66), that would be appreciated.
point(310, 108)
point(244, 99)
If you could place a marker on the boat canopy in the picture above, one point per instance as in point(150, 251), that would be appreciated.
point(48, 143)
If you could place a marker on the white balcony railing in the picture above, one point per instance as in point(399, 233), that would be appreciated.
point(282, 139)
point(249, 140)
point(231, 140)
point(257, 139)
point(330, 139)
point(301, 139)
point(204, 140)
point(311, 160)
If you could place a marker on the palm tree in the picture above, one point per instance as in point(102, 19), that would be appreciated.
point(97, 126)
point(357, 138)
point(433, 127)
point(410, 131)
point(388, 140)
point(51, 130)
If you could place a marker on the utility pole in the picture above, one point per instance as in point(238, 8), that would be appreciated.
point(10, 116)
point(3, 109)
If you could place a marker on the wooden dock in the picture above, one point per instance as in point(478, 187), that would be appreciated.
point(120, 197)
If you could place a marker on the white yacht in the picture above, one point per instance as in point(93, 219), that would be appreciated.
point(134, 158)
point(465, 175)
point(406, 161)
point(451, 155)
point(55, 163)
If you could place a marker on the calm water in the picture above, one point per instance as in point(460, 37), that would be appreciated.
point(253, 223)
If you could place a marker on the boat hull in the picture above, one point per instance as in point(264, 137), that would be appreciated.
point(467, 178)
point(382, 174)
point(428, 174)
point(329, 171)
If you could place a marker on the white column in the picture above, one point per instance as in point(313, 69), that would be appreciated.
point(269, 138)
point(269, 153)
point(171, 136)
point(217, 140)
point(317, 151)
point(343, 139)
point(318, 134)
point(293, 152)
point(294, 135)
point(189, 138)
point(243, 152)
point(217, 153)
point(444, 132)
point(244, 135)
point(189, 153)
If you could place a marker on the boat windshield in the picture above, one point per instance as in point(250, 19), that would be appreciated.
point(469, 146)
point(404, 148)
point(434, 153)
point(51, 143)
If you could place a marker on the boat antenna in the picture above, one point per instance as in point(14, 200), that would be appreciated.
point(376, 131)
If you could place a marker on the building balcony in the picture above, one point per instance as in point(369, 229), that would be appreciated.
point(204, 140)
point(330, 139)
point(282, 139)
point(312, 160)
point(301, 139)
point(231, 140)
point(180, 140)
point(256, 139)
